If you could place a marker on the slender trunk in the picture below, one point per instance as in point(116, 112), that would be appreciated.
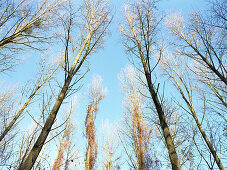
point(142, 165)
point(165, 129)
point(30, 160)
point(210, 146)
point(88, 158)
point(18, 114)
point(108, 168)
point(39, 85)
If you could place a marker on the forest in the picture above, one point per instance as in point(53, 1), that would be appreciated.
point(98, 84)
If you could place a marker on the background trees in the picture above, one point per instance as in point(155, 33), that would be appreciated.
point(65, 153)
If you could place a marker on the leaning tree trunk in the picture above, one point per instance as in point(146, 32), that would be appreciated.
point(164, 126)
point(30, 160)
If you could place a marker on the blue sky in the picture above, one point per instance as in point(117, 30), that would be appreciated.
point(108, 63)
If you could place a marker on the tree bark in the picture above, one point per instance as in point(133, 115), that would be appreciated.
point(88, 158)
point(164, 126)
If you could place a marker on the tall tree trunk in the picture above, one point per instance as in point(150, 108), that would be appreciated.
point(30, 160)
point(165, 129)
point(190, 106)
point(88, 158)
point(210, 146)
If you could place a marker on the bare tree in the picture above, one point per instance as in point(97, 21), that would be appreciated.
point(182, 131)
point(203, 41)
point(7, 104)
point(136, 130)
point(182, 81)
point(65, 146)
point(139, 33)
point(15, 102)
point(94, 20)
point(24, 23)
point(96, 94)
point(110, 146)
point(46, 73)
point(218, 13)
point(27, 140)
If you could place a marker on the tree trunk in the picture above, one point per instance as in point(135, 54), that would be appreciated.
point(210, 146)
point(165, 129)
point(88, 158)
point(8, 128)
point(30, 160)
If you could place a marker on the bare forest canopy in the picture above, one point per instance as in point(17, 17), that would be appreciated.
point(170, 112)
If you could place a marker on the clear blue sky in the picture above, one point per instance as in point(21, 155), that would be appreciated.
point(108, 63)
